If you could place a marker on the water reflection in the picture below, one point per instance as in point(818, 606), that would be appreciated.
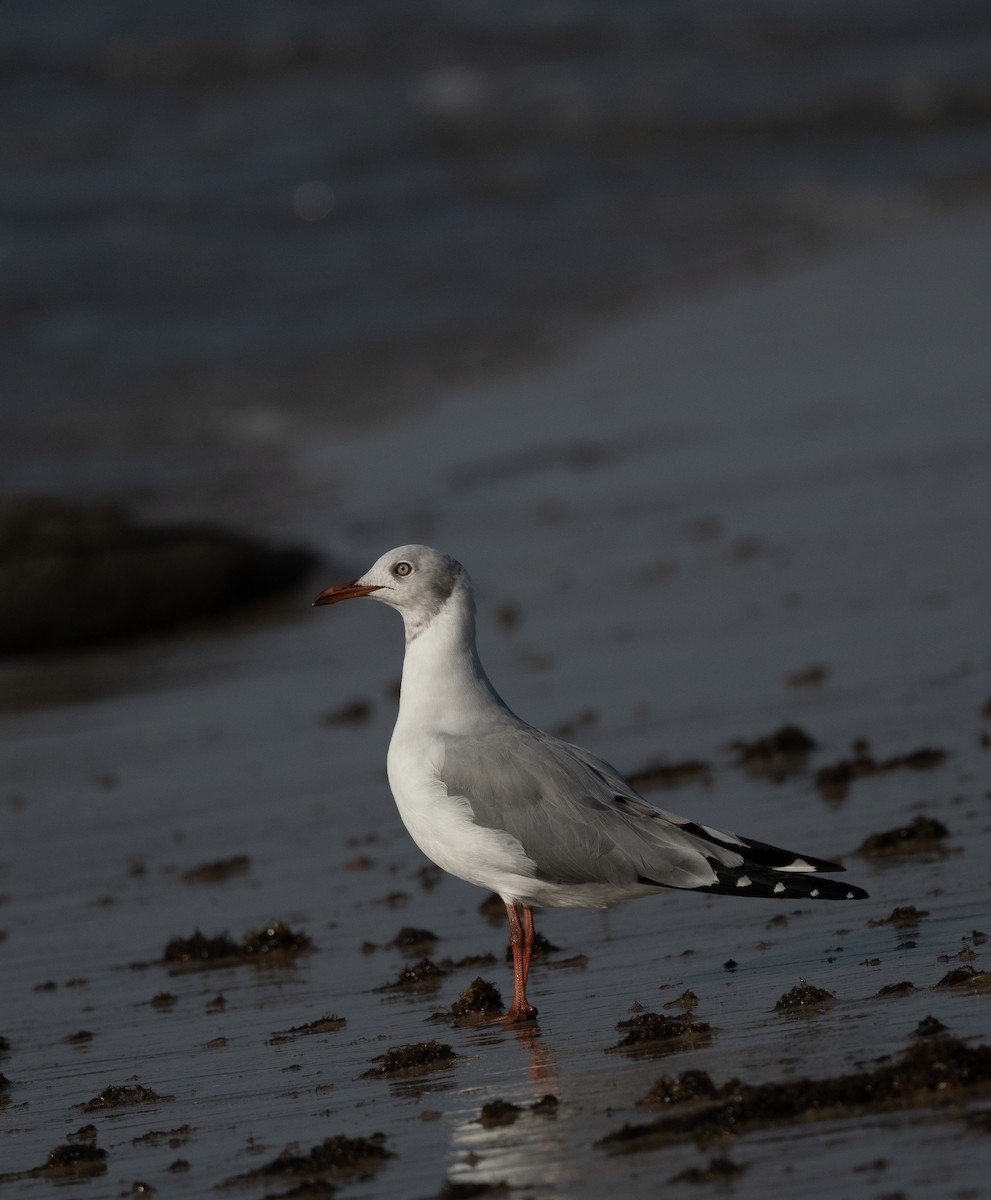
point(518, 1138)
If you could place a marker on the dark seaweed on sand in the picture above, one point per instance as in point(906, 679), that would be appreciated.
point(425, 975)
point(422, 975)
point(834, 780)
point(928, 1027)
point(419, 1056)
point(478, 999)
point(921, 835)
point(931, 1069)
point(804, 996)
point(328, 1024)
point(410, 938)
point(719, 1170)
point(906, 916)
point(650, 1028)
point(337, 1157)
point(65, 1163)
point(121, 1096)
point(498, 1113)
point(777, 755)
point(896, 989)
point(453, 1189)
point(276, 943)
point(968, 978)
point(219, 870)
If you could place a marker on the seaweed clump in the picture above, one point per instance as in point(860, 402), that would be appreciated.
point(905, 916)
point(834, 781)
point(454, 1189)
point(777, 755)
point(337, 1157)
point(650, 1029)
point(426, 974)
point(719, 1170)
point(931, 1068)
point(122, 1096)
point(498, 1113)
point(686, 1001)
point(173, 1138)
point(920, 836)
point(480, 998)
point(928, 1027)
point(423, 975)
point(219, 870)
point(412, 939)
point(896, 989)
point(276, 944)
point(803, 995)
point(65, 1162)
point(685, 1088)
point(328, 1024)
point(420, 1056)
point(968, 978)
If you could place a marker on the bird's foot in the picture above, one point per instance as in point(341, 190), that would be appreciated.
point(519, 1014)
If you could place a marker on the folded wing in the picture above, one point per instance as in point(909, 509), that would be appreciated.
point(579, 821)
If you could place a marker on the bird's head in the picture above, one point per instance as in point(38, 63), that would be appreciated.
point(416, 580)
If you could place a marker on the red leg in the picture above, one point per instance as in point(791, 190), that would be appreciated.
point(521, 937)
point(529, 937)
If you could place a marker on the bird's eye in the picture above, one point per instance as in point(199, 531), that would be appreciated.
point(403, 568)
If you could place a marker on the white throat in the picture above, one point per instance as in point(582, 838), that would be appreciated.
point(444, 685)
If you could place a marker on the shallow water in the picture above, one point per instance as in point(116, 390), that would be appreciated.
point(217, 220)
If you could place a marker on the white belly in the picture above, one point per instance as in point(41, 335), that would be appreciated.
point(443, 828)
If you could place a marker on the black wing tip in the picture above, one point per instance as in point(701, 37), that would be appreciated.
point(763, 854)
point(769, 885)
point(823, 864)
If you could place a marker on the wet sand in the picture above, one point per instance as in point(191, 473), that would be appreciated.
point(700, 501)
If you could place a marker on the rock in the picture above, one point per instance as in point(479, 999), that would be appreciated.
point(74, 577)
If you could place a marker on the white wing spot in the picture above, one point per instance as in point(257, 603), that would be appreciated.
point(779, 887)
point(849, 895)
point(798, 864)
point(743, 881)
point(814, 893)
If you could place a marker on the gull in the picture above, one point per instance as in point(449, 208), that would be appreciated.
point(510, 808)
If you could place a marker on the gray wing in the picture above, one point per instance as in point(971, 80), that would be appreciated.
point(580, 822)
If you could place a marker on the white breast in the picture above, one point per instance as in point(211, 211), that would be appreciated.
point(442, 825)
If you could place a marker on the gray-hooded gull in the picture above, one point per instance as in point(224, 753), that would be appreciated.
point(510, 808)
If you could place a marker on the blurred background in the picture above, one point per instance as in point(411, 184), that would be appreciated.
point(223, 223)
